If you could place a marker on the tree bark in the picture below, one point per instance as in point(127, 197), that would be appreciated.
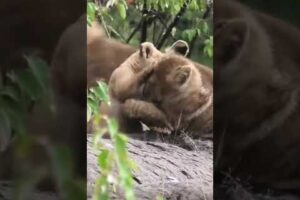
point(164, 169)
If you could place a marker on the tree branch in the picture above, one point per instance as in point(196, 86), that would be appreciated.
point(205, 16)
point(173, 24)
point(145, 23)
point(134, 31)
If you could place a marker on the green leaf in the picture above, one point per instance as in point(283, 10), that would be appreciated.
point(91, 11)
point(103, 159)
point(12, 92)
point(28, 84)
point(94, 106)
point(102, 92)
point(103, 185)
point(122, 10)
point(112, 127)
point(5, 130)
point(205, 28)
point(16, 114)
point(189, 34)
point(62, 162)
point(193, 5)
point(40, 70)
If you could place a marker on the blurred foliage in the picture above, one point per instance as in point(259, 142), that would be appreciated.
point(111, 159)
point(20, 91)
point(153, 20)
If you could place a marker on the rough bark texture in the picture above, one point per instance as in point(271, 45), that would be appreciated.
point(165, 169)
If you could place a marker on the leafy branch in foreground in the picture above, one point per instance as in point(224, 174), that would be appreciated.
point(23, 90)
point(111, 158)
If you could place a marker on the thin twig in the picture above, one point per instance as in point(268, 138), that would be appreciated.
point(145, 23)
point(165, 26)
point(134, 31)
point(173, 24)
point(101, 19)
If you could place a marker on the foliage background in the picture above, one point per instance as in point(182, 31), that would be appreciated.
point(161, 22)
point(287, 10)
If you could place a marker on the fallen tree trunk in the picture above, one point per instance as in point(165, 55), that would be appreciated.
point(164, 170)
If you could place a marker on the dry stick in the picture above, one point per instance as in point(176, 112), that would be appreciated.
point(173, 24)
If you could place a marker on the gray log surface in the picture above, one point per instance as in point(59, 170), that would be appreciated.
point(164, 169)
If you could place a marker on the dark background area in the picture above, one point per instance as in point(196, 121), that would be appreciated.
point(288, 10)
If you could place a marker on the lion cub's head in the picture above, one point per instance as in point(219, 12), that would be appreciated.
point(176, 86)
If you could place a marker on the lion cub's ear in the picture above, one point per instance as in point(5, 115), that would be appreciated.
point(182, 74)
point(230, 37)
point(147, 49)
point(180, 47)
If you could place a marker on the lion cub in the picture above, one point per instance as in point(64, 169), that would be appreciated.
point(125, 90)
point(183, 91)
point(104, 54)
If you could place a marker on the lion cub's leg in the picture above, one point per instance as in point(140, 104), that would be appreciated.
point(146, 112)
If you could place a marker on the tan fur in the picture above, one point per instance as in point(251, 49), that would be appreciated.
point(257, 96)
point(104, 55)
point(127, 78)
point(68, 80)
point(183, 91)
point(126, 87)
point(68, 66)
point(125, 90)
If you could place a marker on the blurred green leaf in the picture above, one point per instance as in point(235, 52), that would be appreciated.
point(5, 131)
point(12, 92)
point(15, 113)
point(103, 159)
point(122, 10)
point(102, 92)
point(91, 11)
point(28, 84)
point(62, 162)
point(112, 127)
point(40, 71)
